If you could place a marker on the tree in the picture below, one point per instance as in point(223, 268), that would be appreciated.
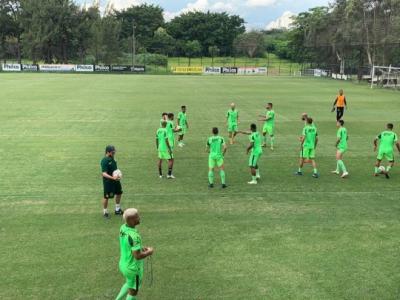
point(210, 29)
point(213, 51)
point(250, 44)
point(146, 18)
point(10, 28)
point(162, 42)
point(48, 29)
point(111, 50)
point(192, 49)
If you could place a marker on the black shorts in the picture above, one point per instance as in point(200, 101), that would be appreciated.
point(112, 188)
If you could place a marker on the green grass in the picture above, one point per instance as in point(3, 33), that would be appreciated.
point(287, 238)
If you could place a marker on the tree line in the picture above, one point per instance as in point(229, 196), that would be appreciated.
point(347, 32)
point(60, 31)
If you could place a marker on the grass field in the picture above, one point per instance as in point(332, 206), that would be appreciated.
point(287, 238)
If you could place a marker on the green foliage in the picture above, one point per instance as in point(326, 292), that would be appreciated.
point(162, 42)
point(152, 59)
point(250, 44)
point(146, 18)
point(210, 29)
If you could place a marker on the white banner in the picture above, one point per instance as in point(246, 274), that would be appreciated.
point(84, 68)
point(212, 70)
point(57, 68)
point(252, 71)
point(11, 67)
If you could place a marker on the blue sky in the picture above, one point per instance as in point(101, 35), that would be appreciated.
point(257, 13)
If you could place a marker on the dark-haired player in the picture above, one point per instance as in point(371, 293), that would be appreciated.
point(387, 139)
point(308, 144)
point(255, 151)
point(216, 148)
point(183, 124)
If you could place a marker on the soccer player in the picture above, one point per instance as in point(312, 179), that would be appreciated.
point(269, 125)
point(216, 148)
point(164, 117)
point(171, 130)
point(132, 255)
point(164, 150)
point(183, 124)
point(387, 139)
point(232, 120)
point(111, 185)
point(341, 148)
point(308, 144)
point(339, 104)
point(255, 150)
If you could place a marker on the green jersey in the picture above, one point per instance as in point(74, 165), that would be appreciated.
point(162, 139)
point(342, 135)
point(270, 115)
point(170, 129)
point(108, 165)
point(215, 143)
point(129, 240)
point(232, 116)
point(255, 139)
point(310, 136)
point(387, 139)
point(182, 119)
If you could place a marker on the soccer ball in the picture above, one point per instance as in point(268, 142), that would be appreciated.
point(382, 169)
point(117, 173)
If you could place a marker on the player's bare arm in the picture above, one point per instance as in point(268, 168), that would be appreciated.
point(249, 147)
point(105, 175)
point(375, 144)
point(143, 253)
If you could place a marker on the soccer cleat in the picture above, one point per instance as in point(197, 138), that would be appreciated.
point(387, 175)
point(252, 182)
point(119, 212)
point(272, 148)
point(106, 215)
point(315, 175)
point(171, 177)
point(298, 173)
point(160, 176)
point(210, 185)
point(224, 186)
point(345, 174)
point(376, 175)
point(335, 172)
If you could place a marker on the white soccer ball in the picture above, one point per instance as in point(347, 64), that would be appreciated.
point(117, 173)
point(382, 169)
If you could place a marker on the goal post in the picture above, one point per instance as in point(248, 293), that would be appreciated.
point(385, 76)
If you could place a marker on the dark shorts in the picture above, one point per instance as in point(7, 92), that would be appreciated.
point(112, 188)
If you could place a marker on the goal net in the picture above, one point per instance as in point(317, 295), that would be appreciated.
point(385, 76)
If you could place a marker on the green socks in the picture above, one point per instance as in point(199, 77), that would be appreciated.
point(272, 141)
point(258, 172)
point(254, 178)
point(222, 174)
point(265, 139)
point(299, 170)
point(341, 166)
point(315, 171)
point(211, 177)
point(376, 170)
point(124, 291)
point(388, 168)
point(129, 297)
